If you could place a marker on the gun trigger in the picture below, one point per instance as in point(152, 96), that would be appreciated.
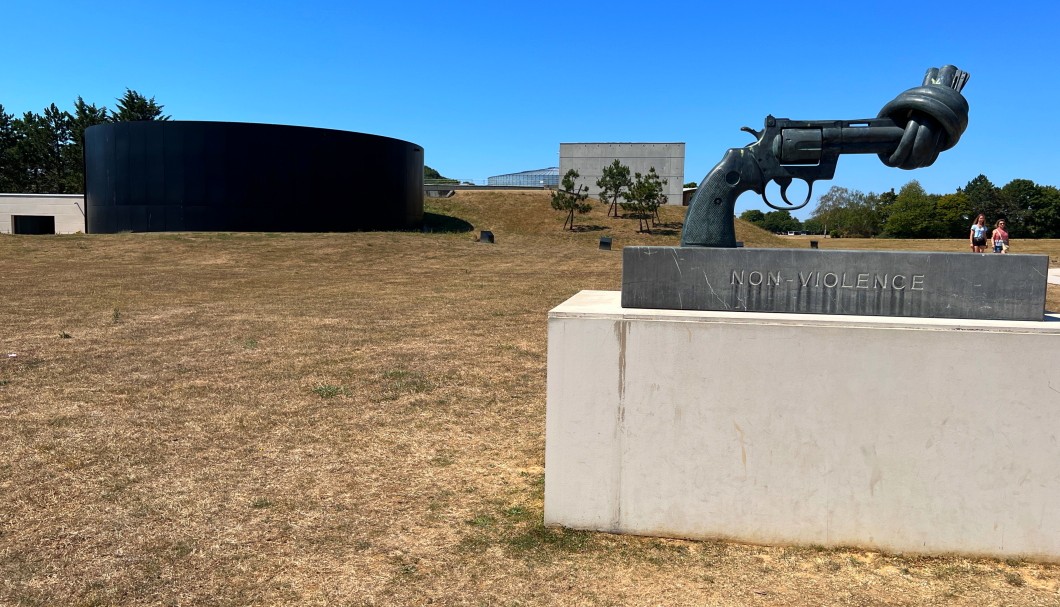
point(784, 184)
point(747, 129)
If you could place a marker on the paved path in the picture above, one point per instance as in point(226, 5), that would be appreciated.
point(1054, 276)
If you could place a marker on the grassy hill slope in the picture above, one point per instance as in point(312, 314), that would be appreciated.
point(527, 213)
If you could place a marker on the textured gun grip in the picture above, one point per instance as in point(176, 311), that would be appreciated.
point(709, 220)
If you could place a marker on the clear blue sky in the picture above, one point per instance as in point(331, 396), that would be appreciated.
point(493, 87)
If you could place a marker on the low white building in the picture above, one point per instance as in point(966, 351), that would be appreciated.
point(42, 213)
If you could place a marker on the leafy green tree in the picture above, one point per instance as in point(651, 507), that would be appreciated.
point(133, 106)
point(59, 166)
point(884, 203)
point(613, 183)
point(30, 153)
point(848, 213)
point(84, 116)
point(1044, 220)
point(913, 214)
point(780, 222)
point(1031, 208)
point(8, 138)
point(643, 198)
point(44, 153)
point(436, 177)
point(813, 226)
point(753, 216)
point(984, 197)
point(571, 198)
point(954, 215)
point(691, 184)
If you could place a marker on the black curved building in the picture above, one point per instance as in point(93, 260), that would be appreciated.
point(227, 176)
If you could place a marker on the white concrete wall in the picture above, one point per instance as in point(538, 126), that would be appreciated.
point(68, 210)
point(589, 159)
point(910, 435)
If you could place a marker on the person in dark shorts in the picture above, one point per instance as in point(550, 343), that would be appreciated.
point(977, 237)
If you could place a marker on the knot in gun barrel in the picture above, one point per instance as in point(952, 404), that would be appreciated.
point(935, 116)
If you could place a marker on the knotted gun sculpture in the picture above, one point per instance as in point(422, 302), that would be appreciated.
point(909, 133)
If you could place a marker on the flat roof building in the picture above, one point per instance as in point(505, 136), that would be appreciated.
point(42, 213)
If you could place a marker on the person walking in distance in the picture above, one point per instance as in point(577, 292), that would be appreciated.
point(1000, 237)
point(977, 237)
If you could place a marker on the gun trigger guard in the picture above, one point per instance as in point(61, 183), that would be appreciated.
point(784, 182)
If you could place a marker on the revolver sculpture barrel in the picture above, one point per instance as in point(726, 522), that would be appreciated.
point(909, 132)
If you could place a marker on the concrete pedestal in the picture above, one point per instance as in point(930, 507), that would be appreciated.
point(907, 435)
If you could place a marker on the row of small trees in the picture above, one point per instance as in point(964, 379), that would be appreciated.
point(43, 153)
point(1031, 211)
point(641, 195)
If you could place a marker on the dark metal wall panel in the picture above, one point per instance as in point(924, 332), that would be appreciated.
point(223, 176)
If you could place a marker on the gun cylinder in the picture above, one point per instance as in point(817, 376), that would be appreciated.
point(810, 145)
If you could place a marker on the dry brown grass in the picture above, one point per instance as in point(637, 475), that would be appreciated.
point(345, 419)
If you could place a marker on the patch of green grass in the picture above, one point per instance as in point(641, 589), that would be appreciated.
point(540, 539)
point(482, 520)
point(328, 391)
point(537, 481)
point(250, 344)
point(518, 513)
point(520, 530)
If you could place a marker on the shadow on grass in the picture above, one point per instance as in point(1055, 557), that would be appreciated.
point(587, 228)
point(672, 225)
point(664, 232)
point(433, 222)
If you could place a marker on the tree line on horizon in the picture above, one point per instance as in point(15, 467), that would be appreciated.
point(1030, 210)
point(44, 153)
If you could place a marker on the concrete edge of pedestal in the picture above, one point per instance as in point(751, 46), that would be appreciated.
point(596, 303)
